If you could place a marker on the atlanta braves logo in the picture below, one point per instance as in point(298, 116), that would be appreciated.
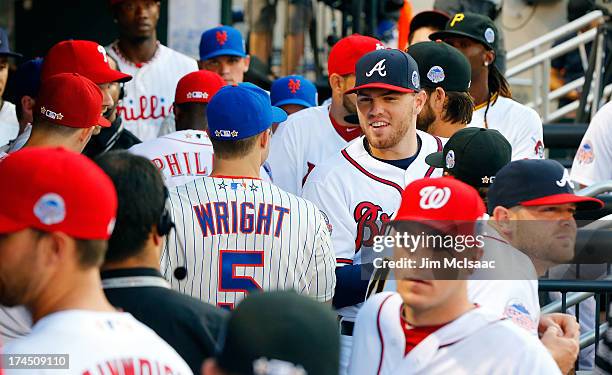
point(380, 68)
point(565, 180)
point(369, 216)
point(221, 37)
point(294, 85)
point(433, 197)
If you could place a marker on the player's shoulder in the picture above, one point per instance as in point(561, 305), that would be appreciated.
point(373, 305)
point(306, 120)
point(601, 120)
point(332, 168)
point(515, 110)
point(176, 57)
point(430, 143)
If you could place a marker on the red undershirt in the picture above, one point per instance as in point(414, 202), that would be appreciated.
point(414, 335)
point(348, 133)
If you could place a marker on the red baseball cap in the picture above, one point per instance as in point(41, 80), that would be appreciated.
point(441, 203)
point(69, 99)
point(344, 54)
point(198, 87)
point(84, 57)
point(58, 191)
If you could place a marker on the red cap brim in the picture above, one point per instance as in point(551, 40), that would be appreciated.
point(103, 122)
point(9, 226)
point(378, 85)
point(582, 203)
point(107, 76)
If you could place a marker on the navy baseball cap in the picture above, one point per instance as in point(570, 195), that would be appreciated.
point(5, 50)
point(221, 41)
point(535, 182)
point(390, 69)
point(26, 80)
point(442, 65)
point(241, 111)
point(293, 90)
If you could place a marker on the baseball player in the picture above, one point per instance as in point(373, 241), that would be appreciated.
point(9, 126)
point(476, 37)
point(359, 189)
point(235, 233)
point(156, 68)
point(429, 326)
point(592, 161)
point(424, 24)
point(446, 77)
point(314, 134)
point(54, 237)
point(293, 94)
point(186, 154)
point(222, 50)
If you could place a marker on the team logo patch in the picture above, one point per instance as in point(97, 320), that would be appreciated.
point(50, 209)
point(489, 35)
point(519, 314)
point(197, 95)
point(450, 159)
point(221, 37)
point(415, 79)
point(50, 114)
point(264, 366)
point(294, 85)
point(226, 133)
point(238, 185)
point(488, 179)
point(586, 153)
point(380, 46)
point(327, 223)
point(432, 197)
point(379, 68)
point(565, 180)
point(539, 149)
point(436, 74)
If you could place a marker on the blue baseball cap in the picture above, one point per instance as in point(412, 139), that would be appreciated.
point(241, 111)
point(221, 41)
point(535, 182)
point(293, 90)
point(5, 49)
point(26, 80)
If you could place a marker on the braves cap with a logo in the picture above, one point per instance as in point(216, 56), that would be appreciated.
point(536, 182)
point(59, 191)
point(263, 336)
point(241, 111)
point(347, 51)
point(389, 69)
point(293, 90)
point(198, 87)
point(69, 99)
point(470, 25)
point(221, 41)
point(473, 155)
point(5, 49)
point(87, 58)
point(442, 65)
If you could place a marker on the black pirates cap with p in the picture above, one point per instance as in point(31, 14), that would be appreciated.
point(473, 155)
point(535, 182)
point(470, 25)
point(390, 69)
point(442, 65)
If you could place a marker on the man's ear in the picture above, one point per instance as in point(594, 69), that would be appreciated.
point(27, 103)
point(247, 63)
point(502, 217)
point(437, 99)
point(336, 82)
point(210, 367)
point(489, 57)
point(264, 138)
point(176, 110)
point(419, 101)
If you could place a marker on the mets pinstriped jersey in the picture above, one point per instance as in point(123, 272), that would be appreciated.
point(477, 342)
point(359, 194)
point(236, 235)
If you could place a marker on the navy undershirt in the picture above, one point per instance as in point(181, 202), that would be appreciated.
point(401, 163)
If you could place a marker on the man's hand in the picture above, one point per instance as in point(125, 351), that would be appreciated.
point(560, 334)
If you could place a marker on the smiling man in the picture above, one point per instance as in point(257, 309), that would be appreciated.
point(360, 188)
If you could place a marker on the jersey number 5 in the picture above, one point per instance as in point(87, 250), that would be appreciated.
point(228, 262)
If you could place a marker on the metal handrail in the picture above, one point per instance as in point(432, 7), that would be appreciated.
point(572, 299)
point(596, 189)
point(588, 338)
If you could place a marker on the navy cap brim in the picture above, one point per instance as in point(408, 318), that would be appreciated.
point(11, 54)
point(293, 101)
point(278, 115)
point(436, 159)
point(582, 203)
point(457, 34)
point(379, 85)
point(223, 52)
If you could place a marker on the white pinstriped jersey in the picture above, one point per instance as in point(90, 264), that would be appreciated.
point(359, 194)
point(240, 234)
point(477, 342)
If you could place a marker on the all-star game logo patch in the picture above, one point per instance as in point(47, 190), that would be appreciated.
point(586, 153)
point(519, 314)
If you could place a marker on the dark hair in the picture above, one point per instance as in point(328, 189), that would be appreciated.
point(90, 253)
point(191, 116)
point(497, 84)
point(233, 149)
point(458, 106)
point(41, 124)
point(140, 191)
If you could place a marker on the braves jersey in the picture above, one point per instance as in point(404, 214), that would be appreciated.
point(477, 342)
point(236, 235)
point(358, 195)
point(519, 124)
point(150, 94)
point(98, 343)
point(303, 141)
point(594, 156)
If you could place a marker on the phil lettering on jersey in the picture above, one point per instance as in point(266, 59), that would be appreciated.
point(183, 164)
point(131, 366)
point(147, 109)
point(217, 218)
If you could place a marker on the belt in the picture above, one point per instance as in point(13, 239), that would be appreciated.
point(346, 328)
